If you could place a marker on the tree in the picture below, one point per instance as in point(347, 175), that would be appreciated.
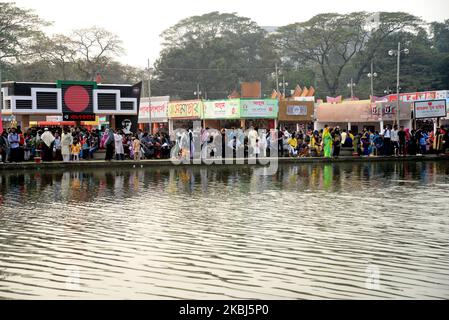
point(336, 43)
point(19, 28)
point(216, 51)
point(328, 41)
point(94, 48)
point(58, 51)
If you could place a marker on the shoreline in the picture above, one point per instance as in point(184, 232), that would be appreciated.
point(7, 167)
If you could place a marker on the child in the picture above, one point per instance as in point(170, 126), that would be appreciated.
point(76, 148)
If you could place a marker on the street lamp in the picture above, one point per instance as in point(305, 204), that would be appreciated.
point(388, 91)
point(351, 85)
point(372, 75)
point(398, 54)
point(197, 92)
point(283, 84)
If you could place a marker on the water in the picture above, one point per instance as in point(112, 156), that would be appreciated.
point(312, 231)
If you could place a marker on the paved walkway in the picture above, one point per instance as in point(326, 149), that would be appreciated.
point(168, 162)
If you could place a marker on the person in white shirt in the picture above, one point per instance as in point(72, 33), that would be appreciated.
point(395, 140)
point(387, 141)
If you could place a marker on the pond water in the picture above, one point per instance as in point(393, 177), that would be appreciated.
point(311, 231)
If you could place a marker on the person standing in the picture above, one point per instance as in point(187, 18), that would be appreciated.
point(47, 139)
point(109, 144)
point(66, 142)
point(423, 142)
point(119, 149)
point(4, 146)
point(337, 139)
point(365, 142)
point(76, 149)
point(327, 143)
point(395, 141)
point(136, 148)
point(14, 146)
point(57, 147)
point(402, 141)
point(387, 141)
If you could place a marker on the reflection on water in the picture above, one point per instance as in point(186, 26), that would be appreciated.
point(362, 230)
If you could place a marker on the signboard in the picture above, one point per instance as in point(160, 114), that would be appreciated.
point(259, 108)
point(420, 96)
point(297, 110)
point(185, 109)
point(222, 109)
point(158, 109)
point(78, 117)
point(430, 109)
point(77, 99)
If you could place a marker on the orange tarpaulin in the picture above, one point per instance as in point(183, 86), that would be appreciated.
point(298, 92)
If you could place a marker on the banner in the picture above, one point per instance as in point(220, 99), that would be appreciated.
point(185, 109)
point(430, 109)
point(222, 109)
point(259, 108)
point(334, 100)
point(297, 110)
point(159, 109)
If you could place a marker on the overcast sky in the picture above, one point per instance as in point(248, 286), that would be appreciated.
point(139, 23)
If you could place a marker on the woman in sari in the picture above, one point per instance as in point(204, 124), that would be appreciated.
point(327, 143)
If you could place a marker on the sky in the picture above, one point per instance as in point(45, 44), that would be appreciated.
point(140, 23)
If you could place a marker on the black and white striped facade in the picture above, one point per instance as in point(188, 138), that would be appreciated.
point(34, 98)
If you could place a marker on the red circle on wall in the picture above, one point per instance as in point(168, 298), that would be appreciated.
point(76, 98)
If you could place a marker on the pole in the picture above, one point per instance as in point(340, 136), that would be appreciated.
point(1, 101)
point(283, 84)
point(277, 80)
point(352, 89)
point(372, 80)
point(149, 96)
point(397, 83)
point(198, 91)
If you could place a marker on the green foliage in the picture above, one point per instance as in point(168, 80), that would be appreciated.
point(19, 30)
point(216, 51)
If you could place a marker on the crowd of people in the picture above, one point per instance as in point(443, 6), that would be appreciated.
point(392, 141)
point(72, 144)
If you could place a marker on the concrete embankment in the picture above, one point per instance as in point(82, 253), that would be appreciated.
point(167, 162)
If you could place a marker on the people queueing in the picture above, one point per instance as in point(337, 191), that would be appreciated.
point(78, 143)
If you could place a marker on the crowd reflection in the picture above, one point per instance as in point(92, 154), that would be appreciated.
point(86, 186)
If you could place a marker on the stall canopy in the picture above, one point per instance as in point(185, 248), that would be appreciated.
point(159, 109)
point(361, 111)
point(259, 108)
point(190, 109)
point(222, 109)
point(296, 110)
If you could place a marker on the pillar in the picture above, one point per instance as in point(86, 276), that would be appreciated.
point(381, 126)
point(170, 129)
point(349, 126)
point(435, 126)
point(25, 121)
point(242, 124)
point(112, 122)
